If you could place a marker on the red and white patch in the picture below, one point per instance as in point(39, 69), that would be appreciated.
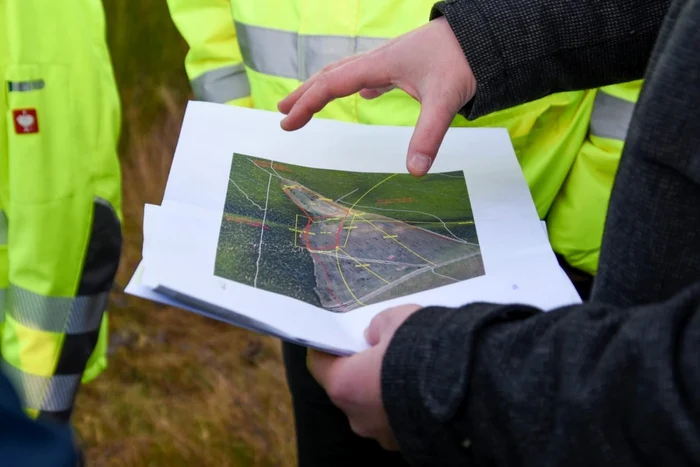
point(26, 121)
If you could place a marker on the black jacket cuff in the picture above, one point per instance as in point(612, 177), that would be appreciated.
point(425, 376)
point(482, 51)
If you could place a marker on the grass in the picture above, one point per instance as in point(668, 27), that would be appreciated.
point(180, 389)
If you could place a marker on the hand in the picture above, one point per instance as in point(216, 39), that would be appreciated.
point(354, 383)
point(426, 63)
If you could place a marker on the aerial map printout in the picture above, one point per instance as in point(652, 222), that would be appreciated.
point(341, 240)
point(307, 235)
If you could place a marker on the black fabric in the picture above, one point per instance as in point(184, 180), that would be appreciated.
point(76, 352)
point(583, 282)
point(62, 417)
point(324, 437)
point(523, 50)
point(612, 382)
point(104, 251)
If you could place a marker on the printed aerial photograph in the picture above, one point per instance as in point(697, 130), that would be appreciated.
point(341, 240)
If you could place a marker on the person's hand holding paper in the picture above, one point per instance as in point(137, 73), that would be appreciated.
point(353, 383)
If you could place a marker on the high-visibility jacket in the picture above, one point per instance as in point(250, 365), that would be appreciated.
point(259, 51)
point(60, 198)
point(577, 216)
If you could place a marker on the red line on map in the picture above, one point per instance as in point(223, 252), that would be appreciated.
point(309, 249)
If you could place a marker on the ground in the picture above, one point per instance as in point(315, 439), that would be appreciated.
point(179, 389)
point(341, 240)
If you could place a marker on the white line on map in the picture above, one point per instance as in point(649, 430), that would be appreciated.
point(442, 275)
point(262, 230)
point(270, 174)
point(345, 196)
point(246, 196)
point(274, 170)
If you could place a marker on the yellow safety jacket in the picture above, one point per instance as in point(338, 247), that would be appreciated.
point(60, 198)
point(256, 52)
point(577, 216)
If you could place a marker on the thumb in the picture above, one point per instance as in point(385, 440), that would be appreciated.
point(433, 122)
point(385, 323)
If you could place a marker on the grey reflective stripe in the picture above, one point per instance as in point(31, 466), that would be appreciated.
point(222, 85)
point(611, 116)
point(24, 86)
point(54, 394)
point(87, 313)
point(55, 314)
point(297, 56)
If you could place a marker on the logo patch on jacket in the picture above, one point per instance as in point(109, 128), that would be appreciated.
point(26, 121)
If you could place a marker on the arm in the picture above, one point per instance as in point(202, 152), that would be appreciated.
point(214, 64)
point(524, 50)
point(516, 51)
point(586, 385)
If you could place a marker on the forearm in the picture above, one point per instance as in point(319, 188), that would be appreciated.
point(587, 385)
point(523, 50)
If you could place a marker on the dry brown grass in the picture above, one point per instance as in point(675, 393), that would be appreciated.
point(180, 389)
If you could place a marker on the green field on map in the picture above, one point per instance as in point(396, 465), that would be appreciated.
point(340, 240)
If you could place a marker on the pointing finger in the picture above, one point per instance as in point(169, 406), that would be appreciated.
point(286, 104)
point(342, 81)
point(433, 122)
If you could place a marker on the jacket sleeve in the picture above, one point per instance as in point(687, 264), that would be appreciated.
point(31, 443)
point(580, 386)
point(214, 63)
point(523, 50)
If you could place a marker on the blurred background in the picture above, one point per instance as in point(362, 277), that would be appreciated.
point(180, 389)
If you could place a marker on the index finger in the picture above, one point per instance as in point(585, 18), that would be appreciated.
point(286, 104)
point(320, 365)
point(368, 71)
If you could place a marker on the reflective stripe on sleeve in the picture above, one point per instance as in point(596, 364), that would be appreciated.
point(51, 394)
point(611, 116)
point(56, 314)
point(290, 55)
point(222, 85)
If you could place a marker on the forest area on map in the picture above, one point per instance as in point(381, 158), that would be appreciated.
point(340, 240)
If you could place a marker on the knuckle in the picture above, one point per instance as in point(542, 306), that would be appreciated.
point(379, 321)
point(360, 429)
point(323, 85)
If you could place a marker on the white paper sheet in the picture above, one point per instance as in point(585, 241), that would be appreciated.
point(182, 236)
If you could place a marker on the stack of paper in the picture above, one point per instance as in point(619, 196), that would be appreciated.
point(307, 235)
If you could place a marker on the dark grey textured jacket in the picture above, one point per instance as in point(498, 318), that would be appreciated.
point(614, 382)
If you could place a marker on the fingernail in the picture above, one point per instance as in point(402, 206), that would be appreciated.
point(366, 333)
point(419, 163)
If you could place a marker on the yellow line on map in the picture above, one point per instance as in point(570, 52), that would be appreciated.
point(360, 199)
point(296, 227)
point(367, 192)
point(337, 259)
point(427, 261)
point(349, 229)
point(367, 267)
